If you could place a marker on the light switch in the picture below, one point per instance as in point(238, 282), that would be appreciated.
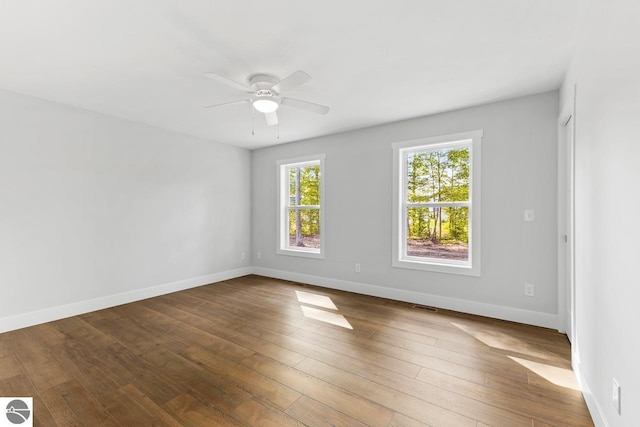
point(529, 215)
point(616, 395)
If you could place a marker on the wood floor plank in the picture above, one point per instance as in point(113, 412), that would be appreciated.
point(203, 383)
point(96, 374)
point(311, 346)
point(37, 361)
point(255, 413)
point(542, 409)
point(343, 401)
point(9, 367)
point(243, 352)
point(71, 404)
point(258, 313)
point(400, 420)
point(83, 332)
point(130, 407)
point(418, 321)
point(136, 338)
point(533, 392)
point(191, 411)
point(315, 414)
point(437, 407)
point(228, 332)
point(5, 339)
point(424, 355)
point(154, 383)
point(494, 342)
point(181, 336)
point(252, 382)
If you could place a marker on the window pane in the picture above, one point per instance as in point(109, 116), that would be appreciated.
point(304, 228)
point(441, 233)
point(304, 186)
point(438, 176)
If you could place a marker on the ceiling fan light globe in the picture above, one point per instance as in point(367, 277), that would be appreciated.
point(265, 105)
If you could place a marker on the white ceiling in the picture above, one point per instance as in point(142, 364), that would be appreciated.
point(372, 61)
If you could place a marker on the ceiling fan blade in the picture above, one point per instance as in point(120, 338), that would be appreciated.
point(296, 79)
point(228, 103)
point(305, 105)
point(271, 118)
point(228, 82)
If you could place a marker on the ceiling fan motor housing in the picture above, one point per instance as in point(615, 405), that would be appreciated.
point(263, 82)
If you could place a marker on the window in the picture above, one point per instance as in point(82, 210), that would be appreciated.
point(436, 212)
point(301, 218)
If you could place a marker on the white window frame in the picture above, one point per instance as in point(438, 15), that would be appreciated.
point(283, 247)
point(400, 259)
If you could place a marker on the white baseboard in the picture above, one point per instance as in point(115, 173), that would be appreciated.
point(60, 312)
point(472, 307)
point(592, 404)
point(482, 309)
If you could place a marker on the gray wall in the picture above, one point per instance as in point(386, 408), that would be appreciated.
point(518, 172)
point(92, 206)
point(606, 71)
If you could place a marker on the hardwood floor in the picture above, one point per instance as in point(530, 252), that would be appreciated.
point(263, 352)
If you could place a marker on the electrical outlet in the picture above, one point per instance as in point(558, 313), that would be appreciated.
point(243, 256)
point(529, 215)
point(616, 395)
point(357, 268)
point(259, 255)
point(529, 289)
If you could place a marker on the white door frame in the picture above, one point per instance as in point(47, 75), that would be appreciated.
point(566, 221)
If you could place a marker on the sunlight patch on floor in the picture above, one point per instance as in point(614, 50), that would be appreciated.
point(562, 377)
point(325, 316)
point(506, 342)
point(315, 299)
point(493, 339)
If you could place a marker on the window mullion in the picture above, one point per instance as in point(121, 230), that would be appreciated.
point(302, 207)
point(438, 205)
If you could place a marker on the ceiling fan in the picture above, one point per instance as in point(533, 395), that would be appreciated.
point(265, 93)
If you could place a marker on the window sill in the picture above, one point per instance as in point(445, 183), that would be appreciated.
point(304, 253)
point(436, 267)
